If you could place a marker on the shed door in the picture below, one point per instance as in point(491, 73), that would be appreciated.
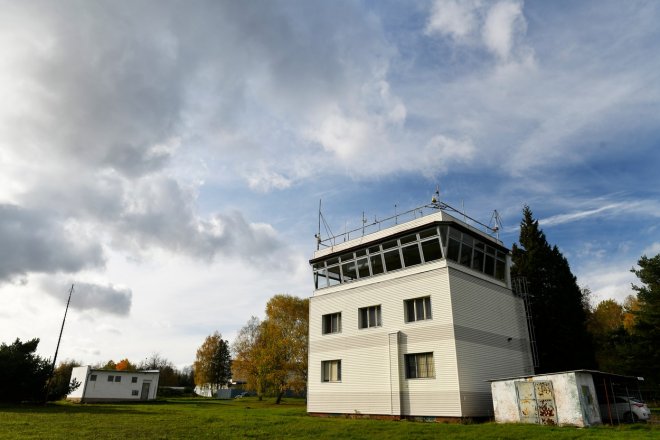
point(145, 391)
point(536, 402)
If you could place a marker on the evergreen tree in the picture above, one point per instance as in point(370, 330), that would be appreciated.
point(213, 363)
point(557, 306)
point(646, 329)
point(24, 374)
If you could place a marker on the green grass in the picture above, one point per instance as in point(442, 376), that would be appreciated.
point(198, 418)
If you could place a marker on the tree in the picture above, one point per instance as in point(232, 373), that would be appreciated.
point(250, 357)
point(24, 374)
point(606, 326)
point(213, 363)
point(168, 373)
point(110, 365)
point(60, 384)
point(646, 328)
point(272, 355)
point(125, 365)
point(557, 303)
point(286, 330)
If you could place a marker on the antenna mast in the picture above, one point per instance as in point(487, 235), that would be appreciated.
point(57, 349)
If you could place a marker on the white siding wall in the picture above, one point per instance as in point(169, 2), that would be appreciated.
point(368, 384)
point(486, 315)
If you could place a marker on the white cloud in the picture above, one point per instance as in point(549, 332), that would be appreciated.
point(652, 250)
point(503, 23)
point(454, 18)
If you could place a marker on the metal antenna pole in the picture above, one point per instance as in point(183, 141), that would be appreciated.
point(57, 349)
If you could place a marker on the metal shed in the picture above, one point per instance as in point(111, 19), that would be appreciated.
point(578, 398)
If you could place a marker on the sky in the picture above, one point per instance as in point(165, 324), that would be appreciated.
point(168, 157)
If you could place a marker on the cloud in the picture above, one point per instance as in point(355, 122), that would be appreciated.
point(503, 22)
point(456, 19)
point(495, 26)
point(34, 241)
point(652, 250)
point(109, 299)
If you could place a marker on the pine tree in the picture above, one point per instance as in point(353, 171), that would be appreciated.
point(557, 307)
point(646, 330)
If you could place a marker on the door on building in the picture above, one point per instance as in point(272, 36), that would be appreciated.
point(145, 390)
point(536, 402)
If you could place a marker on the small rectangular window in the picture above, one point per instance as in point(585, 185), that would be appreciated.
point(346, 257)
point(408, 239)
point(417, 309)
point(111, 378)
point(453, 249)
point(133, 379)
point(362, 267)
point(135, 393)
point(369, 317)
point(320, 279)
point(332, 323)
point(428, 233)
point(117, 378)
point(92, 378)
point(420, 366)
point(390, 244)
point(333, 275)
point(331, 371)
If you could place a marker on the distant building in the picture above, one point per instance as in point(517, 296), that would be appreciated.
point(110, 385)
point(412, 320)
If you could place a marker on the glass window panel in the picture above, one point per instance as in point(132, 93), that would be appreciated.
point(490, 250)
point(361, 253)
point(443, 235)
point(320, 279)
point(374, 249)
point(466, 255)
point(376, 264)
point(411, 255)
point(453, 233)
point(318, 265)
point(453, 249)
point(392, 260)
point(431, 250)
point(333, 260)
point(408, 239)
point(410, 310)
point(419, 309)
point(489, 266)
point(348, 271)
point(479, 245)
point(478, 260)
point(346, 257)
point(364, 318)
point(467, 239)
point(428, 233)
point(333, 275)
point(363, 267)
point(427, 307)
point(390, 244)
point(500, 268)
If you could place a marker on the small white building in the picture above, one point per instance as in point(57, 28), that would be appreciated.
point(568, 398)
point(110, 385)
point(412, 320)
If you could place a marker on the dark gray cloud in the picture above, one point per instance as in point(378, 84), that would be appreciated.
point(89, 296)
point(32, 241)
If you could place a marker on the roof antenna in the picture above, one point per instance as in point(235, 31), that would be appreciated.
point(436, 195)
point(495, 218)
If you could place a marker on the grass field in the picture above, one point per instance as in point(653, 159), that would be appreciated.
point(198, 418)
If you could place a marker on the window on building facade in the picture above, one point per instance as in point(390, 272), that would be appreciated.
point(331, 371)
point(117, 378)
point(420, 366)
point(133, 379)
point(332, 323)
point(417, 309)
point(111, 378)
point(92, 378)
point(135, 393)
point(369, 317)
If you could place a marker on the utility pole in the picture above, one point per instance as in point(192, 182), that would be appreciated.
point(52, 367)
